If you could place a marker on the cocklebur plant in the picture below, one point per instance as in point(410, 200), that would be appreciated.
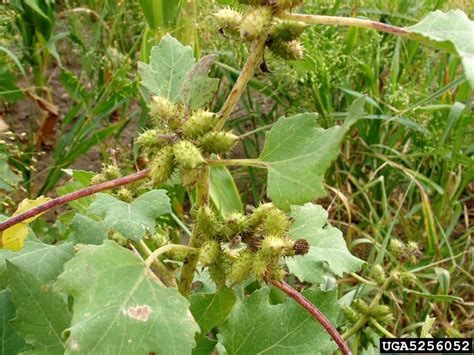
point(121, 282)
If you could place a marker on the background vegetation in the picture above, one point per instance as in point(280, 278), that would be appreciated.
point(69, 99)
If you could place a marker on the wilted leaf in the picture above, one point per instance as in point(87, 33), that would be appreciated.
point(119, 308)
point(212, 309)
point(198, 89)
point(453, 30)
point(328, 247)
point(14, 237)
point(297, 154)
point(257, 327)
point(132, 219)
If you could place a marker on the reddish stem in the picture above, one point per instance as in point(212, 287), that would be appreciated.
point(58, 201)
point(316, 313)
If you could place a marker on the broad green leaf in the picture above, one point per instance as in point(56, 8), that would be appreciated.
point(297, 154)
point(5, 254)
point(212, 309)
point(132, 219)
point(41, 313)
point(198, 89)
point(204, 345)
point(223, 191)
point(328, 247)
point(87, 231)
point(119, 308)
point(169, 65)
point(257, 327)
point(10, 341)
point(45, 262)
point(454, 31)
point(13, 238)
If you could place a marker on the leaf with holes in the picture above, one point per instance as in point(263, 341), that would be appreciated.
point(257, 327)
point(132, 220)
point(453, 31)
point(297, 154)
point(119, 307)
point(328, 248)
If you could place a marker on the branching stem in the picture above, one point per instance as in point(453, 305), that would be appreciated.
point(58, 201)
point(166, 249)
point(315, 312)
point(238, 162)
point(346, 21)
point(253, 60)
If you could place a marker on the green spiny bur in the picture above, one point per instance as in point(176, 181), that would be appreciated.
point(218, 142)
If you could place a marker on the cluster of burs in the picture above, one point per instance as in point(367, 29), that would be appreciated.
point(238, 247)
point(181, 142)
point(260, 20)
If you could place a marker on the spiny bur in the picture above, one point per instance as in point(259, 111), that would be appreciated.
point(360, 306)
point(162, 165)
point(234, 224)
point(111, 172)
point(351, 315)
point(287, 4)
point(206, 222)
point(241, 267)
point(260, 213)
point(292, 50)
point(276, 223)
point(163, 110)
point(189, 177)
point(187, 155)
point(218, 142)
point(209, 252)
point(287, 30)
point(199, 123)
point(149, 138)
point(228, 20)
point(260, 263)
point(378, 274)
point(125, 195)
point(276, 246)
point(255, 22)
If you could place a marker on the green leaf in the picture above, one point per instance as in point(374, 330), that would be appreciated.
point(8, 179)
point(169, 65)
point(454, 31)
point(328, 247)
point(212, 309)
point(223, 191)
point(87, 231)
point(297, 154)
point(198, 89)
point(119, 308)
point(258, 327)
point(134, 219)
point(44, 261)
point(10, 342)
point(41, 313)
point(204, 346)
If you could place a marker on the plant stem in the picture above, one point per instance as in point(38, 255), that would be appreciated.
point(165, 249)
point(161, 271)
point(58, 201)
point(238, 162)
point(346, 21)
point(316, 313)
point(357, 325)
point(253, 60)
point(191, 260)
point(381, 328)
